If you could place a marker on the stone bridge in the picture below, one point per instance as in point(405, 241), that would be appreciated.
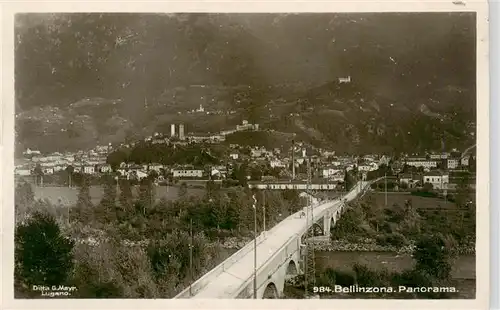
point(280, 253)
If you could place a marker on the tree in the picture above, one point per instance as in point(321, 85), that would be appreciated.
point(116, 158)
point(183, 190)
point(107, 210)
point(211, 189)
point(42, 255)
point(125, 194)
point(432, 257)
point(428, 187)
point(109, 195)
point(38, 172)
point(84, 200)
point(146, 194)
point(472, 164)
point(69, 173)
point(24, 198)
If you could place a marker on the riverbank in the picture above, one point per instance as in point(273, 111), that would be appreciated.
point(324, 244)
point(370, 245)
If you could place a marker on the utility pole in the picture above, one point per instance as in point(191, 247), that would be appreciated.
point(385, 181)
point(191, 258)
point(264, 209)
point(254, 248)
point(293, 159)
point(309, 272)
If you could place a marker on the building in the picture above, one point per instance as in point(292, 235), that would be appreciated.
point(89, 169)
point(345, 79)
point(22, 171)
point(187, 173)
point(48, 170)
point(384, 160)
point(368, 167)
point(29, 152)
point(453, 163)
point(277, 163)
point(330, 172)
point(405, 178)
point(295, 185)
point(172, 130)
point(181, 132)
point(246, 126)
point(438, 179)
point(156, 167)
point(421, 162)
point(438, 156)
point(105, 168)
point(465, 161)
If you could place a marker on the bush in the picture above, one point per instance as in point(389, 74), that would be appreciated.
point(432, 257)
point(43, 256)
point(392, 239)
point(344, 278)
point(370, 278)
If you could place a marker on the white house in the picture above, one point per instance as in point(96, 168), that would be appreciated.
point(89, 169)
point(31, 152)
point(22, 171)
point(405, 178)
point(277, 163)
point(156, 167)
point(453, 163)
point(437, 179)
point(234, 156)
point(105, 168)
point(257, 152)
point(438, 156)
point(421, 162)
point(48, 170)
point(368, 167)
point(345, 79)
point(384, 160)
point(330, 172)
point(187, 173)
point(465, 160)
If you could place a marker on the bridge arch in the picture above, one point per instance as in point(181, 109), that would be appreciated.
point(292, 269)
point(333, 221)
point(271, 291)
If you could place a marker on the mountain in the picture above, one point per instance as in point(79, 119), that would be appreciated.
point(82, 79)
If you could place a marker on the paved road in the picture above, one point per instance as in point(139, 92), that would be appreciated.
point(228, 282)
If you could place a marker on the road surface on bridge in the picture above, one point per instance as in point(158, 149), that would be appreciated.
point(230, 281)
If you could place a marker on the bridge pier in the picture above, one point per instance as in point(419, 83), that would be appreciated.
point(327, 224)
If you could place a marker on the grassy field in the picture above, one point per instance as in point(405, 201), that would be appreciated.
point(68, 196)
point(417, 201)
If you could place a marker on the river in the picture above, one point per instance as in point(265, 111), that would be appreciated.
point(463, 270)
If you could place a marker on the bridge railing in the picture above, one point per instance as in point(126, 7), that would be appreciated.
point(207, 277)
point(262, 275)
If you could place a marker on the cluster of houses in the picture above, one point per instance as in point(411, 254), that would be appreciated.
point(327, 169)
point(93, 161)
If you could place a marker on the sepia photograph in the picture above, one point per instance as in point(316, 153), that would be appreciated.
point(245, 155)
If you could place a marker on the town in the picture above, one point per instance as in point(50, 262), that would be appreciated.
point(274, 166)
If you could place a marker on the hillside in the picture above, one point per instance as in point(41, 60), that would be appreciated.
point(83, 79)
